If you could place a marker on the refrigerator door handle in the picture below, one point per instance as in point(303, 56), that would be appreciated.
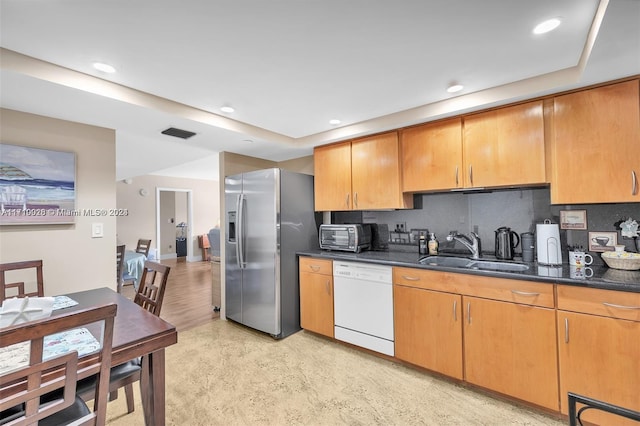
point(240, 228)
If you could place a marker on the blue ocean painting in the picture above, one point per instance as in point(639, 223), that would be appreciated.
point(34, 178)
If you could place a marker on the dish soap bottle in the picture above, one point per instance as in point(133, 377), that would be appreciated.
point(433, 244)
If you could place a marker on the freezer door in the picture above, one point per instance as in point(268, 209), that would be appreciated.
point(260, 243)
point(233, 273)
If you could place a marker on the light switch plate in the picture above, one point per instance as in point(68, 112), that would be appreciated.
point(97, 230)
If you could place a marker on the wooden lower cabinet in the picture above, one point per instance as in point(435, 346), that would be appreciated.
point(316, 295)
point(599, 349)
point(428, 329)
point(511, 348)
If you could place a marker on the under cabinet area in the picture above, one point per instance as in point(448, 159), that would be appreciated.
point(316, 295)
point(595, 146)
point(529, 340)
point(500, 332)
point(362, 174)
point(599, 349)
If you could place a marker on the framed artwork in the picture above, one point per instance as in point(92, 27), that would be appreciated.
point(602, 241)
point(37, 186)
point(573, 219)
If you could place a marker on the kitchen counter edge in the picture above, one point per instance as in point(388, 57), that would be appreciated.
point(603, 277)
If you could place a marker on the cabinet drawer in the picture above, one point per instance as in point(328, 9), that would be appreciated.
point(316, 266)
point(608, 303)
point(425, 279)
point(508, 290)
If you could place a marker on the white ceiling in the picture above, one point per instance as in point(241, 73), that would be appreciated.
point(289, 66)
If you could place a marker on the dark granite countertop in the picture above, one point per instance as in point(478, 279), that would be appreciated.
point(603, 277)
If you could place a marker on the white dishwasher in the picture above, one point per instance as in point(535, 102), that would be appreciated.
point(363, 305)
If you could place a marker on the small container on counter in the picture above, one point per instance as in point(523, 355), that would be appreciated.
point(433, 245)
point(422, 245)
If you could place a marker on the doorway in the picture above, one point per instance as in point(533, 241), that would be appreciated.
point(174, 223)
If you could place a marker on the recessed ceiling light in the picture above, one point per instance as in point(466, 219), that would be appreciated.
point(334, 122)
point(227, 109)
point(546, 26)
point(104, 67)
point(455, 88)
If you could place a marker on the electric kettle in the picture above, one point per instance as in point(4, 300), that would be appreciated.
point(506, 242)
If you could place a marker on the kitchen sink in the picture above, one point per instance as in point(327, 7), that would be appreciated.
point(499, 266)
point(453, 262)
point(481, 264)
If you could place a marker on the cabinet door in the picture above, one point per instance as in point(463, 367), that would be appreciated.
point(428, 329)
point(332, 180)
point(505, 147)
point(600, 359)
point(375, 173)
point(511, 348)
point(596, 145)
point(432, 156)
point(316, 303)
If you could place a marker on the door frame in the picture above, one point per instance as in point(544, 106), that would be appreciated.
point(190, 257)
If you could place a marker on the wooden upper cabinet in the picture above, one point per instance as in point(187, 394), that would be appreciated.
point(595, 149)
point(376, 175)
point(501, 147)
point(505, 147)
point(363, 174)
point(332, 180)
point(432, 156)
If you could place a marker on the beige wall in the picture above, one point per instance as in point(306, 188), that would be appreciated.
point(141, 221)
point(72, 260)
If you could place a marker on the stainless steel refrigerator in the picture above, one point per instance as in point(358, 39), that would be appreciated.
point(269, 217)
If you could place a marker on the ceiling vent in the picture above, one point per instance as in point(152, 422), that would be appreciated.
point(178, 133)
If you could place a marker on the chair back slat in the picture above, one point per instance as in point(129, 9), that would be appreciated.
point(20, 287)
point(24, 386)
point(152, 285)
point(143, 247)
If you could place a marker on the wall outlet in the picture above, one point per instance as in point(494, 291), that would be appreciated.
point(400, 227)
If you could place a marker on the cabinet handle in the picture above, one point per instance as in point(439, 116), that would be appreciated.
point(471, 175)
point(314, 268)
point(456, 175)
point(328, 288)
point(355, 200)
point(408, 278)
point(634, 183)
point(347, 200)
point(469, 312)
point(524, 293)
point(613, 305)
point(566, 330)
point(455, 310)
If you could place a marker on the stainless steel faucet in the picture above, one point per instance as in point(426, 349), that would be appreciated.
point(472, 243)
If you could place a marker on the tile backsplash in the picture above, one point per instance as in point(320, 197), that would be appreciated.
point(484, 212)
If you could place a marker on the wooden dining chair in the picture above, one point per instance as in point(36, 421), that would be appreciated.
point(43, 391)
point(149, 296)
point(21, 269)
point(143, 247)
point(120, 266)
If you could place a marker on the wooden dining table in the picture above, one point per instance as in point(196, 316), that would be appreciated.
point(136, 333)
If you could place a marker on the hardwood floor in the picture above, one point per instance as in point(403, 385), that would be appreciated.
point(193, 289)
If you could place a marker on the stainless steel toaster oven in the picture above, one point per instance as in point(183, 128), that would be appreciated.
point(346, 237)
